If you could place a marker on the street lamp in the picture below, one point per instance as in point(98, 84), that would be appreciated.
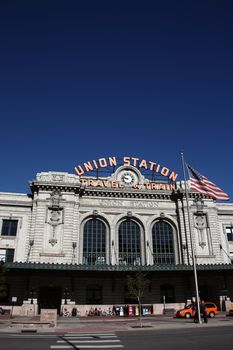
point(74, 246)
point(31, 243)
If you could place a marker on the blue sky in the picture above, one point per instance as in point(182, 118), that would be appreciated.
point(81, 80)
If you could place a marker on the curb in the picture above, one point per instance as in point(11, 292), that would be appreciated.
point(111, 325)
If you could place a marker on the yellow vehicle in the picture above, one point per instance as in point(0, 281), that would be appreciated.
point(188, 310)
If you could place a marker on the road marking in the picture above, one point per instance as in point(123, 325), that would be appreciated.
point(96, 341)
point(108, 336)
point(93, 337)
point(61, 347)
point(77, 337)
point(86, 334)
point(98, 346)
point(88, 341)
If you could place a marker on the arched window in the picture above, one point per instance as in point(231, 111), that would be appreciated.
point(163, 244)
point(94, 242)
point(129, 243)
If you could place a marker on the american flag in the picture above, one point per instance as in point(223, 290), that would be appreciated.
point(201, 184)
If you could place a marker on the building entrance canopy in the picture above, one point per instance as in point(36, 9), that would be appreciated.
point(118, 268)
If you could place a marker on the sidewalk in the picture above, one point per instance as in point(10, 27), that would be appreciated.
point(110, 324)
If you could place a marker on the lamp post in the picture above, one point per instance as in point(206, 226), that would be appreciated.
point(74, 245)
point(31, 243)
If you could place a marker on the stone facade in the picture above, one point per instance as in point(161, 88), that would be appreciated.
point(51, 222)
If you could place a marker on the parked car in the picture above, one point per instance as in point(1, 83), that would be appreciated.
point(188, 310)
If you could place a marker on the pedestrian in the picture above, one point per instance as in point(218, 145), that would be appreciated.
point(195, 310)
point(203, 311)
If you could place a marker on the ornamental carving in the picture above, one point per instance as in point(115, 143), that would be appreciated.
point(54, 216)
point(57, 177)
point(201, 226)
point(54, 219)
point(56, 198)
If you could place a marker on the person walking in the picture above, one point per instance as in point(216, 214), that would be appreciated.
point(195, 309)
point(203, 311)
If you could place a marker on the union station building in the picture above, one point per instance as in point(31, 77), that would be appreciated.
point(75, 238)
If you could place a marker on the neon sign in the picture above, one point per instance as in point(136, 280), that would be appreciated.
point(127, 161)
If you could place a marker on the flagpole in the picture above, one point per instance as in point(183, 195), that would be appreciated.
point(191, 240)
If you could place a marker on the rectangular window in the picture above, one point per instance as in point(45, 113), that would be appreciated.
point(7, 255)
point(9, 227)
point(229, 232)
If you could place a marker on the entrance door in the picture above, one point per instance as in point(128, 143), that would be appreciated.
point(50, 298)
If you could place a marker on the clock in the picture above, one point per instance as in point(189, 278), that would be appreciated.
point(128, 177)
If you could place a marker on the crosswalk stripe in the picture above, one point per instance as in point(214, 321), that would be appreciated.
point(95, 341)
point(108, 336)
point(98, 346)
point(61, 347)
point(76, 337)
point(88, 341)
point(86, 334)
point(91, 337)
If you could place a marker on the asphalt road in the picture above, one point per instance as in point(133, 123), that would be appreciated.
point(26, 342)
point(194, 339)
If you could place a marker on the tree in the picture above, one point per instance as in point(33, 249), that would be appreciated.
point(137, 284)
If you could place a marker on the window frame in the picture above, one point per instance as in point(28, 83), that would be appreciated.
point(8, 256)
point(162, 257)
point(136, 257)
point(229, 233)
point(9, 228)
point(92, 256)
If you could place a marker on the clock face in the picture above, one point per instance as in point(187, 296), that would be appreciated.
point(128, 178)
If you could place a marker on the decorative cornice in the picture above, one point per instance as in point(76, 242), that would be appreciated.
point(127, 194)
point(50, 181)
point(55, 181)
point(35, 186)
point(16, 203)
point(117, 193)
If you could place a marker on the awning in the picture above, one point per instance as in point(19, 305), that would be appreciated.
point(145, 268)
